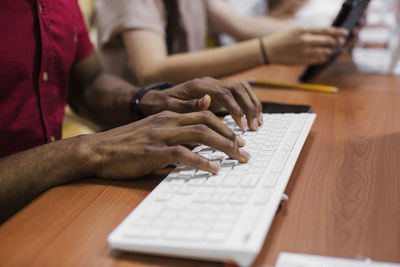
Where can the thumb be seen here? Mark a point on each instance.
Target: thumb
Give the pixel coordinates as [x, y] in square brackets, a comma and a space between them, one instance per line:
[204, 102]
[183, 106]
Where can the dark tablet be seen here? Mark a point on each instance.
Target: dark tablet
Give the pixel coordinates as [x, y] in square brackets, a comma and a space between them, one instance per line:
[348, 17]
[272, 107]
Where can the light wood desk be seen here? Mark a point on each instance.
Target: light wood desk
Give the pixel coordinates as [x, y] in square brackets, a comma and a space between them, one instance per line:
[344, 193]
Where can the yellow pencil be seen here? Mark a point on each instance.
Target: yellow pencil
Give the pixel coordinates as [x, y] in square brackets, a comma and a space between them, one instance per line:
[299, 86]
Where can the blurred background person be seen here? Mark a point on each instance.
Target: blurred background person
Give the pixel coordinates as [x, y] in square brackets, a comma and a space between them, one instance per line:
[148, 41]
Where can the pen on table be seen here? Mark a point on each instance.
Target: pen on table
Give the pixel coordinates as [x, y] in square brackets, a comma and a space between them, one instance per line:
[299, 86]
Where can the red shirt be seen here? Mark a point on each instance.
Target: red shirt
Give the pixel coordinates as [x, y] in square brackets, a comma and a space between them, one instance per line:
[40, 40]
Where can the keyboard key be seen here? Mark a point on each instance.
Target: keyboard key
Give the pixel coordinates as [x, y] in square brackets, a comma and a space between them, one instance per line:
[228, 217]
[175, 207]
[164, 196]
[250, 180]
[270, 180]
[143, 232]
[266, 153]
[257, 169]
[217, 155]
[216, 236]
[297, 126]
[279, 162]
[186, 190]
[177, 234]
[241, 167]
[215, 180]
[151, 212]
[173, 174]
[233, 209]
[207, 154]
[262, 197]
[253, 151]
[224, 191]
[178, 223]
[202, 197]
[168, 187]
[201, 173]
[289, 142]
[168, 214]
[221, 225]
[185, 174]
[140, 222]
[229, 162]
[197, 181]
[207, 217]
[238, 199]
[160, 224]
[232, 181]
[176, 181]
[200, 226]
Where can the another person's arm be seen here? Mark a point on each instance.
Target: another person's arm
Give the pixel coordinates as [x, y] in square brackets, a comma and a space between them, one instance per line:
[148, 55]
[141, 27]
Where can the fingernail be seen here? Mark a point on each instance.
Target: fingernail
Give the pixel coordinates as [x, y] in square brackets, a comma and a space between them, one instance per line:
[243, 121]
[255, 123]
[244, 154]
[203, 101]
[342, 41]
[345, 32]
[214, 167]
[260, 118]
[240, 141]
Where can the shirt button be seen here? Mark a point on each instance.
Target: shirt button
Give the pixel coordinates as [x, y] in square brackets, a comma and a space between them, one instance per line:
[52, 138]
[45, 76]
[40, 8]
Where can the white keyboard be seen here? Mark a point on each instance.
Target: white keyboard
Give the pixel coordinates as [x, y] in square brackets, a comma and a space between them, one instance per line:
[222, 217]
[286, 259]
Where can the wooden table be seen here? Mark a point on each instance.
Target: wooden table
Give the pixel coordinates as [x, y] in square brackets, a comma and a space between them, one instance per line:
[344, 193]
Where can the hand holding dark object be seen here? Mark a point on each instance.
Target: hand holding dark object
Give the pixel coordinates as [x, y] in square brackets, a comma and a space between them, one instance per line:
[304, 45]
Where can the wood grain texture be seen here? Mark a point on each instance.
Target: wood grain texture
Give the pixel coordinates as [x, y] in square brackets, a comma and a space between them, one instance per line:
[344, 193]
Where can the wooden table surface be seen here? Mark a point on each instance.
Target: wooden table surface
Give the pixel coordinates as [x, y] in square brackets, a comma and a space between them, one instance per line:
[344, 193]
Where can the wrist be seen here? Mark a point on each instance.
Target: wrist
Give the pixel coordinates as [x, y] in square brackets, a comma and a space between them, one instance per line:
[269, 46]
[150, 103]
[86, 156]
[263, 51]
[140, 110]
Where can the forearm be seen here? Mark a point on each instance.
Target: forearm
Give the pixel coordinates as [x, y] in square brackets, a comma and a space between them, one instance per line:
[215, 62]
[27, 174]
[105, 101]
[98, 96]
[251, 27]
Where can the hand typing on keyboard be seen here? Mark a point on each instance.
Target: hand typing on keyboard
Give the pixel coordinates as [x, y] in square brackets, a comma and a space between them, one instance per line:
[157, 141]
[222, 216]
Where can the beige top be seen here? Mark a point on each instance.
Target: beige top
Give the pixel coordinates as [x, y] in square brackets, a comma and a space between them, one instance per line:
[116, 16]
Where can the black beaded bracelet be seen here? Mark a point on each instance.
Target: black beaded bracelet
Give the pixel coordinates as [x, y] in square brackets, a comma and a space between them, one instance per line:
[134, 111]
[263, 51]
